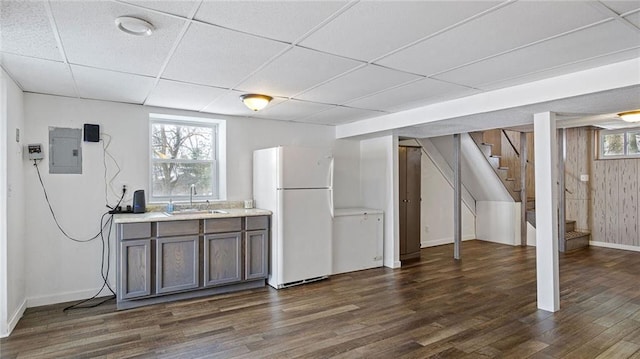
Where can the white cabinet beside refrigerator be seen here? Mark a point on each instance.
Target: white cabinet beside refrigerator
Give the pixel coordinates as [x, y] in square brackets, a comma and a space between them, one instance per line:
[357, 239]
[295, 183]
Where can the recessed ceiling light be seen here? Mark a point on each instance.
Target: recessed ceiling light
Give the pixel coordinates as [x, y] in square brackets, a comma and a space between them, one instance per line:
[134, 26]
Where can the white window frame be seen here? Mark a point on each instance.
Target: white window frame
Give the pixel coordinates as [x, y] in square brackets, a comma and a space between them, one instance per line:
[220, 160]
[599, 140]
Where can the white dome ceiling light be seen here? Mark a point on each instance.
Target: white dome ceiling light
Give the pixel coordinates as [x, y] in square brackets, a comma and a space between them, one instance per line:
[134, 26]
[630, 116]
[256, 102]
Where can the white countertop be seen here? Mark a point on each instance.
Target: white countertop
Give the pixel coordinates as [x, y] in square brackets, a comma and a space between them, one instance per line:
[162, 216]
[356, 211]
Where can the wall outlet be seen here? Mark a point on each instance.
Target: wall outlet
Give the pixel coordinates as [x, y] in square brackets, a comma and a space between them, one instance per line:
[426, 229]
[377, 258]
[584, 178]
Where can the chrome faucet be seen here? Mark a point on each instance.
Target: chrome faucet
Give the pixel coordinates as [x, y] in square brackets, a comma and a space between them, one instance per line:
[192, 192]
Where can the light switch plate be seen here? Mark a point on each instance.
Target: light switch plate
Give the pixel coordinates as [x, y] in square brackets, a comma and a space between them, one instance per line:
[584, 178]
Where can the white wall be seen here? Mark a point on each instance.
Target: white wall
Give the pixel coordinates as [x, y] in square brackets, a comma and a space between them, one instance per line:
[498, 222]
[379, 178]
[3, 207]
[60, 269]
[436, 210]
[12, 246]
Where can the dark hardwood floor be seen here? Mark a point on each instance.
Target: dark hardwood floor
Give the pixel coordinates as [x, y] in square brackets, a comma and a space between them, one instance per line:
[481, 307]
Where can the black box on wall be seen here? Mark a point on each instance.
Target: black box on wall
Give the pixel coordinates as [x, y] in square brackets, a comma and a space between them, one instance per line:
[91, 133]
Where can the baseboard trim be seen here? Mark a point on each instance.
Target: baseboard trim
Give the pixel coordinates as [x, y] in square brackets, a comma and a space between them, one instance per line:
[442, 241]
[14, 319]
[64, 297]
[625, 247]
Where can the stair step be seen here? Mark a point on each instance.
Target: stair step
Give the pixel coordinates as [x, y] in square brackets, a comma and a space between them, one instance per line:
[576, 240]
[509, 179]
[487, 144]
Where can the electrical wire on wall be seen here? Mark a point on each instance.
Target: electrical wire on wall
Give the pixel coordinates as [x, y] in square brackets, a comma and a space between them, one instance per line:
[108, 184]
[105, 226]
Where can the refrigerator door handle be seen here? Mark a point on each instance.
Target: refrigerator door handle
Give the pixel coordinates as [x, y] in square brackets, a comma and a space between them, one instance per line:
[331, 164]
[331, 202]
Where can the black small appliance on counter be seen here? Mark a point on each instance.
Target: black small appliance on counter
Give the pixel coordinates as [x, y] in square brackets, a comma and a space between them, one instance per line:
[139, 205]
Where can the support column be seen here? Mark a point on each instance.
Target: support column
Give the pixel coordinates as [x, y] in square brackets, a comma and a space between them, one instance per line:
[457, 198]
[562, 155]
[524, 154]
[548, 284]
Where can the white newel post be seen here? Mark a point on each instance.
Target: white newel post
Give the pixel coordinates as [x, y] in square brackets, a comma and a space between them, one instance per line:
[546, 175]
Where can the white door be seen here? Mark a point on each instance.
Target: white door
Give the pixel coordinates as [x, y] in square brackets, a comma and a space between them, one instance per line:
[305, 167]
[306, 234]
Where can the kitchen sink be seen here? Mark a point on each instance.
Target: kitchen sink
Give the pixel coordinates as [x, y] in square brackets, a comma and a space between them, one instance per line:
[197, 211]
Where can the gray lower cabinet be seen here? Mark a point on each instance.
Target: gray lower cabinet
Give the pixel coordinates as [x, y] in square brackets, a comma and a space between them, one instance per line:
[171, 260]
[135, 269]
[222, 258]
[256, 254]
[177, 263]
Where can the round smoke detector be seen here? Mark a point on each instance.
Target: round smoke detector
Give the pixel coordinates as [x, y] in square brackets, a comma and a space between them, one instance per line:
[134, 26]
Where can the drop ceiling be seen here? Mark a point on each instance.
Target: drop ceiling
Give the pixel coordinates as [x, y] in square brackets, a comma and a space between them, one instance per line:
[324, 62]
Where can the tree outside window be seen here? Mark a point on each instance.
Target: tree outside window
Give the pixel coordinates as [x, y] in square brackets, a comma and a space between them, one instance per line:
[619, 143]
[182, 155]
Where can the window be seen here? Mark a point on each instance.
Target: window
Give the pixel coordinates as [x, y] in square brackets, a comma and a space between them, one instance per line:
[619, 143]
[186, 152]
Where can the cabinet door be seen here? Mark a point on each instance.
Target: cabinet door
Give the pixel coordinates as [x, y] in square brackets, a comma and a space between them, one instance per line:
[176, 263]
[135, 269]
[256, 254]
[222, 258]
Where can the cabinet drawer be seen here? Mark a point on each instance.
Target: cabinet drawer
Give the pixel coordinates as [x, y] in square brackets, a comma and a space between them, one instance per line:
[176, 228]
[135, 230]
[257, 222]
[221, 225]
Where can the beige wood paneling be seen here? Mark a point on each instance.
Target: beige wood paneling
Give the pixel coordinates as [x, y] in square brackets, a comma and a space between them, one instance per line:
[628, 204]
[598, 185]
[531, 174]
[611, 206]
[577, 163]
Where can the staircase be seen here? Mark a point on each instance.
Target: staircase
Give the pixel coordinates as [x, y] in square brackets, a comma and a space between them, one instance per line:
[572, 239]
[490, 144]
[498, 147]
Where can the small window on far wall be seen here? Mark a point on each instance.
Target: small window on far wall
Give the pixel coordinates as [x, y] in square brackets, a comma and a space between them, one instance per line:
[619, 143]
[186, 152]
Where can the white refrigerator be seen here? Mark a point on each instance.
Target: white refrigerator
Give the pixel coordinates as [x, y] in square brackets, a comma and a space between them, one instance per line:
[295, 183]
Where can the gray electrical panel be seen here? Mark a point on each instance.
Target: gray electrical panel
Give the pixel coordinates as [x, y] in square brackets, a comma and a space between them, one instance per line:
[65, 151]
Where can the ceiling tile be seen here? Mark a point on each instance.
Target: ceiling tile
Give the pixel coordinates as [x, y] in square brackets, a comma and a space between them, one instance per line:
[415, 94]
[504, 29]
[280, 20]
[296, 70]
[595, 41]
[292, 110]
[230, 103]
[227, 57]
[30, 72]
[341, 115]
[91, 38]
[564, 69]
[181, 8]
[183, 95]
[358, 83]
[110, 85]
[371, 29]
[25, 29]
[634, 19]
[622, 7]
